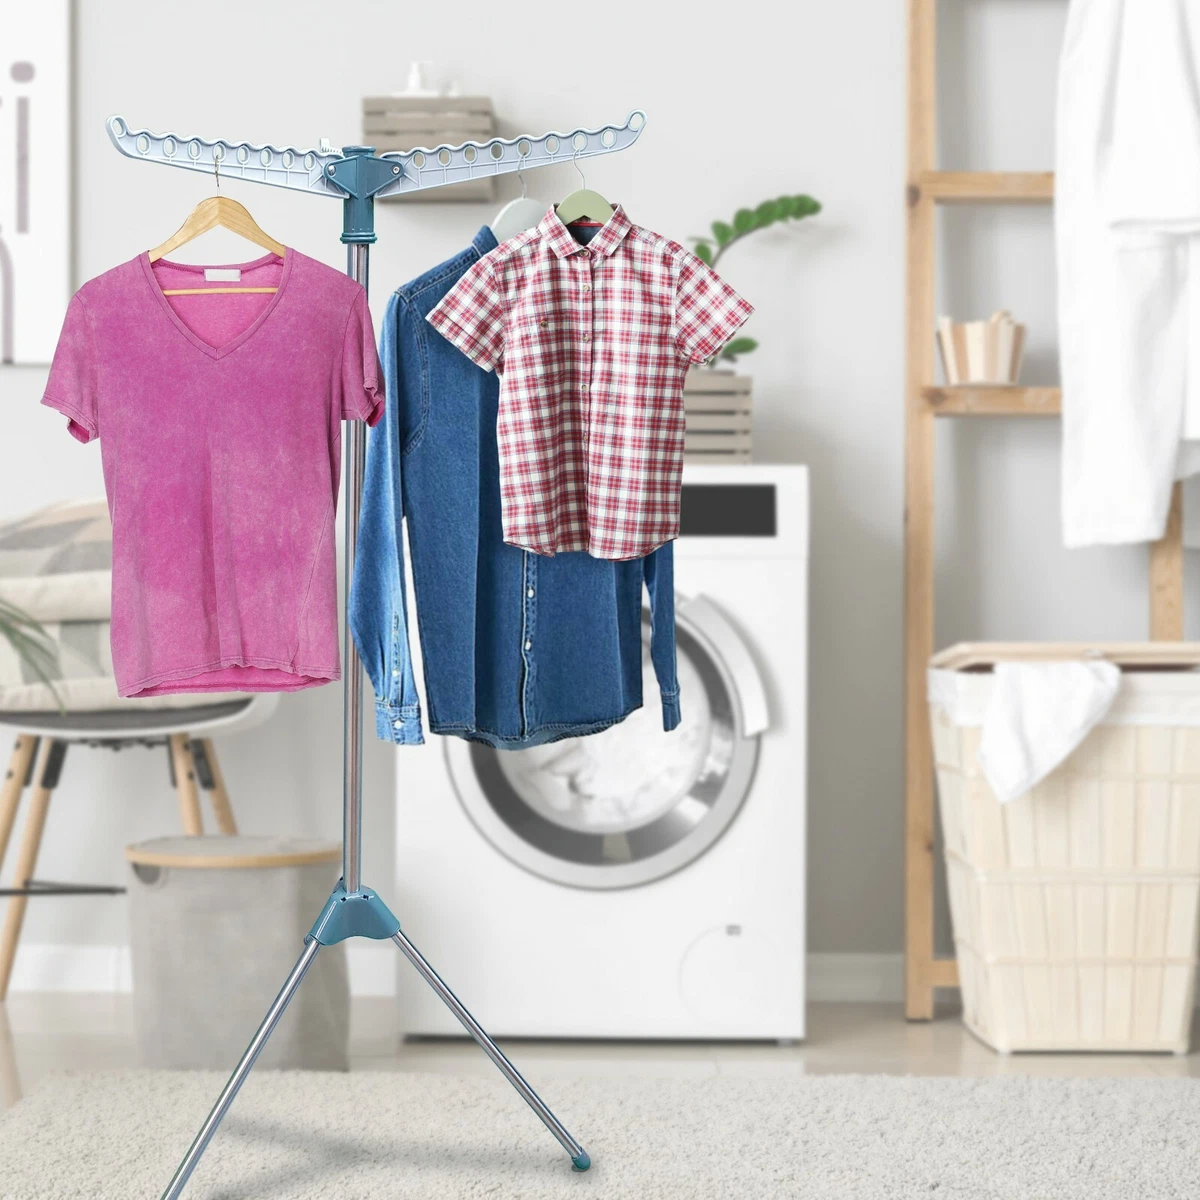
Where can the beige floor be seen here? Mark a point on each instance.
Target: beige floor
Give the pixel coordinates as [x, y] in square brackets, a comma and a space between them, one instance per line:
[54, 1032]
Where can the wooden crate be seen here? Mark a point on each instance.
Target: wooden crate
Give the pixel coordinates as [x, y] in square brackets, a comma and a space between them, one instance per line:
[409, 122]
[719, 414]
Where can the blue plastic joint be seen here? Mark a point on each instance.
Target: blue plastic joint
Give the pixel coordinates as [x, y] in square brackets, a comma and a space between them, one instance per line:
[581, 1161]
[360, 175]
[353, 914]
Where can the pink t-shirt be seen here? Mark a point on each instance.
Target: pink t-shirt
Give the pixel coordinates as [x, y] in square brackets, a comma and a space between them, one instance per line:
[219, 419]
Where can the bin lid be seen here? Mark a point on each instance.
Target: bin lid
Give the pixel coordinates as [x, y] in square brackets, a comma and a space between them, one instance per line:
[222, 851]
[979, 656]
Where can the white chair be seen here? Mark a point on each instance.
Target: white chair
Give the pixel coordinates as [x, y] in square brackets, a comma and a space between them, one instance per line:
[37, 761]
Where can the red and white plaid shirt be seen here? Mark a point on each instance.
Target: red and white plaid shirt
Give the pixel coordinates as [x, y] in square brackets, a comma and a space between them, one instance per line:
[592, 344]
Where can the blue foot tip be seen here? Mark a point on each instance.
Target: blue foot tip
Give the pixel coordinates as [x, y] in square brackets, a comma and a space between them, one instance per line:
[581, 1161]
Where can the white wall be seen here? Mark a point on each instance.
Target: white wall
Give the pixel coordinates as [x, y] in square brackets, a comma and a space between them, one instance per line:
[744, 102]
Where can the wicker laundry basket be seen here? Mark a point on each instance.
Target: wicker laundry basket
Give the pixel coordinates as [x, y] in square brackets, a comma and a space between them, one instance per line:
[1075, 906]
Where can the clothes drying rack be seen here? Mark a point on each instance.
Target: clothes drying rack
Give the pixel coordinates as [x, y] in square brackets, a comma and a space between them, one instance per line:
[357, 176]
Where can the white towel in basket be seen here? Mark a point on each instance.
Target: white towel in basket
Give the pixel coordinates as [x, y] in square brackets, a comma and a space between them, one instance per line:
[1037, 714]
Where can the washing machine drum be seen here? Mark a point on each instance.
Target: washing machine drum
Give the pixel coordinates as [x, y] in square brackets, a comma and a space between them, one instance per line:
[631, 804]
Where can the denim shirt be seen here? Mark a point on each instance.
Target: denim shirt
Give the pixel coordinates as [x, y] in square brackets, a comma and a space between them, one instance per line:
[518, 649]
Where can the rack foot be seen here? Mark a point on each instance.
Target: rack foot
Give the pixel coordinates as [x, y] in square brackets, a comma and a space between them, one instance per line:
[579, 1157]
[361, 914]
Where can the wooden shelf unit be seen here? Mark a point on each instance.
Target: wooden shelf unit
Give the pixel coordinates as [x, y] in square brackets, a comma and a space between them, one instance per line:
[925, 401]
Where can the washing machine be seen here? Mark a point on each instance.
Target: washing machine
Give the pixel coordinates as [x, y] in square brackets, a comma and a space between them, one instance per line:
[636, 883]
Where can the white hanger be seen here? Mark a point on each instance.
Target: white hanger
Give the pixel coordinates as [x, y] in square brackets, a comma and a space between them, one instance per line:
[517, 215]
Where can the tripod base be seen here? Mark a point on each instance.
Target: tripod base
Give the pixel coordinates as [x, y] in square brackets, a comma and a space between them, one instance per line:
[361, 914]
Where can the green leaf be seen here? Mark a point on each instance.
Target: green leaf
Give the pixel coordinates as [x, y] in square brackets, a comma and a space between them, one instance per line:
[743, 220]
[805, 206]
[741, 345]
[704, 252]
[767, 213]
[722, 232]
[31, 644]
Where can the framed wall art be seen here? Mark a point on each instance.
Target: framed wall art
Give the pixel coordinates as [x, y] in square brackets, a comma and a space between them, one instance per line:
[35, 177]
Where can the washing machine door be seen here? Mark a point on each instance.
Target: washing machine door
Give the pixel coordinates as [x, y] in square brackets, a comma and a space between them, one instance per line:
[631, 804]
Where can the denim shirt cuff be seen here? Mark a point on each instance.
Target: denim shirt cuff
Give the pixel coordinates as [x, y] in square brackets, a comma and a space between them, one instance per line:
[399, 723]
[670, 707]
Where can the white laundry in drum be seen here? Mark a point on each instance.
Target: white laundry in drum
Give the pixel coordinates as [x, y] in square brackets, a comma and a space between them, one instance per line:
[637, 883]
[622, 778]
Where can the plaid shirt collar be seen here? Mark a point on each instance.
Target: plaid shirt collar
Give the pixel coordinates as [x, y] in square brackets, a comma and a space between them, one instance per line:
[559, 238]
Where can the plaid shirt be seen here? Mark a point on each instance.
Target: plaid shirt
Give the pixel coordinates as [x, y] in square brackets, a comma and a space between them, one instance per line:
[592, 344]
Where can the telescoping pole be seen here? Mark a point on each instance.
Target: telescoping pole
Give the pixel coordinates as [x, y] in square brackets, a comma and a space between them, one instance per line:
[357, 264]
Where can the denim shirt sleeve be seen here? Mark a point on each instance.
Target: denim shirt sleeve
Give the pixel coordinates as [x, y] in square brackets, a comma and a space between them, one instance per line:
[659, 572]
[378, 596]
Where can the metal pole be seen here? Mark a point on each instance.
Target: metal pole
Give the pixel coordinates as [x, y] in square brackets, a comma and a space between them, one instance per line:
[240, 1072]
[579, 1155]
[357, 262]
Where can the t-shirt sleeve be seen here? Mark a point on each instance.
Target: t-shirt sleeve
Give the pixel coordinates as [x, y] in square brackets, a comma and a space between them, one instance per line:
[362, 389]
[708, 312]
[72, 386]
[471, 317]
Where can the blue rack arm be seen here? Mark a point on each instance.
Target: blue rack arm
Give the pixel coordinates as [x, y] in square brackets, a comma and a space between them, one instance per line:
[394, 172]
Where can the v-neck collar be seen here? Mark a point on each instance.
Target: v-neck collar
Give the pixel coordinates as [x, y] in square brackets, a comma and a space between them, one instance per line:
[218, 352]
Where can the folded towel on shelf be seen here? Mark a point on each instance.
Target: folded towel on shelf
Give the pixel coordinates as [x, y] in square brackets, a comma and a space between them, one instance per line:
[1037, 715]
[56, 563]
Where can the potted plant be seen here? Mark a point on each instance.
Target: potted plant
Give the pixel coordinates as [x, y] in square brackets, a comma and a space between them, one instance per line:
[716, 398]
[726, 234]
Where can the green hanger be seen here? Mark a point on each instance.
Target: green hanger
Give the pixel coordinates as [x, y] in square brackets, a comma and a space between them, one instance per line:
[581, 204]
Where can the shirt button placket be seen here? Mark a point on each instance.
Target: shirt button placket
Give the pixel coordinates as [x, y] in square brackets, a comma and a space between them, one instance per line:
[586, 320]
[528, 624]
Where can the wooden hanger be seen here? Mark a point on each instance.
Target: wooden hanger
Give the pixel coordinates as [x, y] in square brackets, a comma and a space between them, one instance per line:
[209, 214]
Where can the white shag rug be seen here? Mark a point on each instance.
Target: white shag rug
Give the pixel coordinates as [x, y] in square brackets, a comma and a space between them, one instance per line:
[306, 1136]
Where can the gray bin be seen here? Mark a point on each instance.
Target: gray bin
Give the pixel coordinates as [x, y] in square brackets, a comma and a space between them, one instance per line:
[216, 925]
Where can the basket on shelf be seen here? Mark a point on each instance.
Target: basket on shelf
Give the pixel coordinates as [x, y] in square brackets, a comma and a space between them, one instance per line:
[1075, 906]
[408, 122]
[981, 351]
[718, 408]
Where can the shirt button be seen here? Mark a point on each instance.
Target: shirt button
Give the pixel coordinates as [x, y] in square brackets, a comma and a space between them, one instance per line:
[530, 593]
[584, 388]
[397, 724]
[587, 337]
[395, 674]
[528, 645]
[587, 287]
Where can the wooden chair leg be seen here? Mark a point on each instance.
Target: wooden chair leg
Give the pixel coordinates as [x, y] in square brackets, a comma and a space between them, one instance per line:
[213, 781]
[13, 786]
[49, 763]
[184, 770]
